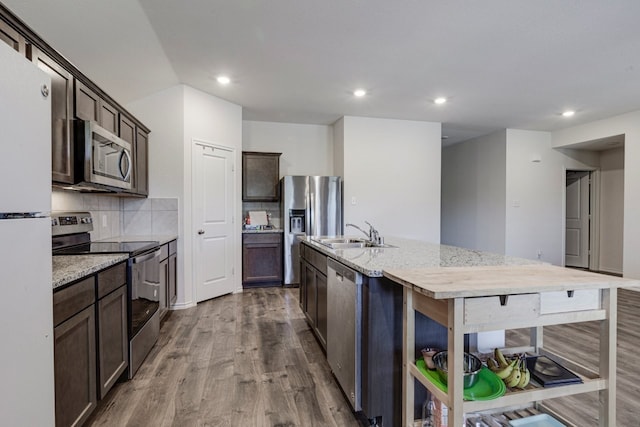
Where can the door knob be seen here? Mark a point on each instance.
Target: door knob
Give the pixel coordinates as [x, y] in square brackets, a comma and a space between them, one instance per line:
[200, 231]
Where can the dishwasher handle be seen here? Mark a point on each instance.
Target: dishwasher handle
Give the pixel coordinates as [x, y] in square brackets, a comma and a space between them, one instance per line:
[343, 272]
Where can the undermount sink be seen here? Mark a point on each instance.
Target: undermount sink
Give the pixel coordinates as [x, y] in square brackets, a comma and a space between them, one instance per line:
[349, 243]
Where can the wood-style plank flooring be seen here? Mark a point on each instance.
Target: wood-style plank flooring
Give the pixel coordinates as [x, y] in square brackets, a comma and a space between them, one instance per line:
[250, 359]
[580, 342]
[247, 359]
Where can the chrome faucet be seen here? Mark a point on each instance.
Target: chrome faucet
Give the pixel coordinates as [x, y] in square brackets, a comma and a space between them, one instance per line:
[372, 234]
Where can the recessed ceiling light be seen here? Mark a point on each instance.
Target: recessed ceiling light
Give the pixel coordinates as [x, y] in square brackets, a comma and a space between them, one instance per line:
[359, 92]
[568, 113]
[223, 80]
[440, 100]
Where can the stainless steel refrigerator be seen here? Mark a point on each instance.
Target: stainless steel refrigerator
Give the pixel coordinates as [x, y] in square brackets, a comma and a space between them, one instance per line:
[311, 206]
[26, 308]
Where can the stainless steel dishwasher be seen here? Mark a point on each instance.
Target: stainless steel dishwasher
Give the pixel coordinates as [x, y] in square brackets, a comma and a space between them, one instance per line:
[344, 328]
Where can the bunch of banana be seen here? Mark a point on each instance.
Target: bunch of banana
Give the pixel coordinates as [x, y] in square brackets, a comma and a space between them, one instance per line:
[513, 372]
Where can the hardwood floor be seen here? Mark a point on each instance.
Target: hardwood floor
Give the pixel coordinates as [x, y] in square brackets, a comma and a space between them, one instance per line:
[250, 359]
[580, 342]
[247, 359]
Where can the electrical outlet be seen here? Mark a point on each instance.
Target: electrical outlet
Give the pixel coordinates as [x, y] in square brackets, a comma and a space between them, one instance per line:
[104, 220]
[539, 253]
[353, 200]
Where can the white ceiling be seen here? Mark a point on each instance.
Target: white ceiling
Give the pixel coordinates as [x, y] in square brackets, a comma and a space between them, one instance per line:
[502, 63]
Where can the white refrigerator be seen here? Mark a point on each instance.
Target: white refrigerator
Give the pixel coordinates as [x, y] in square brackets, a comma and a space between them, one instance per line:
[26, 311]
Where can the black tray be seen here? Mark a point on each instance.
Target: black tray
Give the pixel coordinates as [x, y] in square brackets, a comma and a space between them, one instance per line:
[549, 373]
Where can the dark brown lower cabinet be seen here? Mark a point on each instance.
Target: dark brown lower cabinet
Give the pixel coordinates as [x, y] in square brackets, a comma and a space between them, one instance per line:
[91, 346]
[113, 342]
[261, 259]
[75, 368]
[313, 291]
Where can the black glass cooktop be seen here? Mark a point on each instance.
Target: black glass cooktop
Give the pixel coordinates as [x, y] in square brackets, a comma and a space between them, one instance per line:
[132, 248]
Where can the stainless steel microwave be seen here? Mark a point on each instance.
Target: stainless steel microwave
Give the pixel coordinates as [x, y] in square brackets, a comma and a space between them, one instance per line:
[104, 158]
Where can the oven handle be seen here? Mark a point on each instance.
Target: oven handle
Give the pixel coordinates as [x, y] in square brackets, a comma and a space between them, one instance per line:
[147, 257]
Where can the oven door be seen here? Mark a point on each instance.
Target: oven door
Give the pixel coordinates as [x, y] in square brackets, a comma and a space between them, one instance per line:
[145, 289]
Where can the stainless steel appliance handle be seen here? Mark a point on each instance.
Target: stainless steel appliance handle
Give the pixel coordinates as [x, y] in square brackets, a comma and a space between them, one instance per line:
[147, 257]
[125, 175]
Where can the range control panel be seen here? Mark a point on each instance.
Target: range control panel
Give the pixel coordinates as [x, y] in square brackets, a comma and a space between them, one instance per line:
[70, 222]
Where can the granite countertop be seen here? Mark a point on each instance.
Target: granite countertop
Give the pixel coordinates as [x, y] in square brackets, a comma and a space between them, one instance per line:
[272, 230]
[162, 238]
[68, 268]
[412, 254]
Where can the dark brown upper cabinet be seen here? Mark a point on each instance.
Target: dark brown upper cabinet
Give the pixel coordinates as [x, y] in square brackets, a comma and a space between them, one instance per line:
[62, 153]
[89, 106]
[139, 140]
[260, 177]
[12, 37]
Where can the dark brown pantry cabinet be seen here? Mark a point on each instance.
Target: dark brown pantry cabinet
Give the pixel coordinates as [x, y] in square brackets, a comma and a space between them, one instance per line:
[261, 259]
[260, 177]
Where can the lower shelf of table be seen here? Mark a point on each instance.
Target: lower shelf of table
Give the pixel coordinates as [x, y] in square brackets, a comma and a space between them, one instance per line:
[512, 398]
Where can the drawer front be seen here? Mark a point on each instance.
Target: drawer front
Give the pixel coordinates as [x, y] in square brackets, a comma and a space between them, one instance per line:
[73, 299]
[173, 247]
[111, 279]
[561, 302]
[261, 238]
[164, 252]
[491, 310]
[317, 259]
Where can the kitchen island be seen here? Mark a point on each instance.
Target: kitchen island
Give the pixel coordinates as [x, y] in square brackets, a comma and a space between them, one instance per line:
[380, 312]
[462, 297]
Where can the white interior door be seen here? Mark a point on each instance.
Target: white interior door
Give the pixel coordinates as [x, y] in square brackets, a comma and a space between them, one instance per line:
[577, 220]
[213, 203]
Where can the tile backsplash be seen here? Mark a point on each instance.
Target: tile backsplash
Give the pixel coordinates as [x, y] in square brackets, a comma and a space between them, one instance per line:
[115, 216]
[272, 208]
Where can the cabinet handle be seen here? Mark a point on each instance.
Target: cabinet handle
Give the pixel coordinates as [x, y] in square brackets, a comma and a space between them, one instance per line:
[200, 231]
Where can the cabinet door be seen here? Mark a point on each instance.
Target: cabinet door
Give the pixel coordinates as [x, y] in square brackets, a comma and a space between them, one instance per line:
[62, 156]
[262, 258]
[87, 105]
[260, 177]
[303, 287]
[141, 177]
[321, 308]
[113, 342]
[127, 131]
[75, 368]
[173, 279]
[108, 117]
[164, 286]
[310, 279]
[12, 37]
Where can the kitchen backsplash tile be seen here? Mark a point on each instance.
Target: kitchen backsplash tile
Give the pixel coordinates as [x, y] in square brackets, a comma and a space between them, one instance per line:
[136, 222]
[114, 216]
[164, 204]
[272, 208]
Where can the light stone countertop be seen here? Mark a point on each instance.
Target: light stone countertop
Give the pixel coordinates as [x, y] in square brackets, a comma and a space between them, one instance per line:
[69, 268]
[413, 254]
[162, 238]
[253, 231]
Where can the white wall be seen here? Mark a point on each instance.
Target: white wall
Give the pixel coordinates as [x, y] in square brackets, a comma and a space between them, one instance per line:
[392, 169]
[629, 125]
[535, 194]
[177, 116]
[611, 210]
[338, 147]
[473, 193]
[306, 149]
